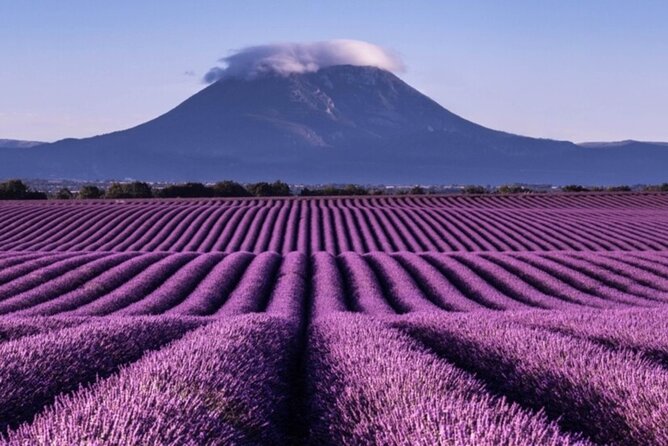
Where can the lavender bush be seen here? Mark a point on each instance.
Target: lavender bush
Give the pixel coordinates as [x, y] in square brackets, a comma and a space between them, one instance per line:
[616, 397]
[34, 369]
[371, 384]
[227, 383]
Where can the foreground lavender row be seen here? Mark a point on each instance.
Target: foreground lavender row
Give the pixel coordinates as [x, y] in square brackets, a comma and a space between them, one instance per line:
[344, 378]
[606, 222]
[126, 284]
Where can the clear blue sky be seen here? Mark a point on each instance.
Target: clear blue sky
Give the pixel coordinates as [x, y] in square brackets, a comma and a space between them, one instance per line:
[569, 69]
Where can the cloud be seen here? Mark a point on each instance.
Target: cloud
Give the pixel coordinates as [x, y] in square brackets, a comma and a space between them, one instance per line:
[285, 58]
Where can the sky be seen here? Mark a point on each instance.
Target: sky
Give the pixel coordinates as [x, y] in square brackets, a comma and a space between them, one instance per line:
[585, 70]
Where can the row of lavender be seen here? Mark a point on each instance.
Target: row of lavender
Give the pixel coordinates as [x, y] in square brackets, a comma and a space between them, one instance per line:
[125, 284]
[603, 200]
[513, 378]
[610, 223]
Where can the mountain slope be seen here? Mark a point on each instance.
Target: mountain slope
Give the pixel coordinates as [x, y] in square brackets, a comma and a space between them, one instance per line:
[339, 124]
[629, 143]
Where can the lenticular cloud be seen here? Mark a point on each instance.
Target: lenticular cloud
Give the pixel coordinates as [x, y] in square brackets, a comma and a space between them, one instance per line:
[285, 58]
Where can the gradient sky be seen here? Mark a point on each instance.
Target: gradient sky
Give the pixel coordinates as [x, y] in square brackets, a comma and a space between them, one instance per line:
[585, 70]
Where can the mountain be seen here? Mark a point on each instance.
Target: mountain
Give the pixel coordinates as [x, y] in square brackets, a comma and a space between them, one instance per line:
[17, 144]
[340, 124]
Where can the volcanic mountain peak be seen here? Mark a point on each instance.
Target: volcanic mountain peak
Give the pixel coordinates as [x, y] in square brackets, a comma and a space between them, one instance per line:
[334, 106]
[341, 123]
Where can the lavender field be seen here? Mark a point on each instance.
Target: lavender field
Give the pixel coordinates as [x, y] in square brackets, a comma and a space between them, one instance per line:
[456, 320]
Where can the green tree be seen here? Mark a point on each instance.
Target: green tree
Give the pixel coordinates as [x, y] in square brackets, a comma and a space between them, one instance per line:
[474, 190]
[187, 190]
[136, 189]
[329, 191]
[90, 192]
[574, 188]
[275, 189]
[620, 189]
[13, 190]
[353, 189]
[230, 189]
[18, 190]
[64, 194]
[513, 189]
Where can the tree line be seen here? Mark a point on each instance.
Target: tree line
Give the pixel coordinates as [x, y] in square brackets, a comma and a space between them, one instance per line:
[519, 189]
[138, 189]
[17, 190]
